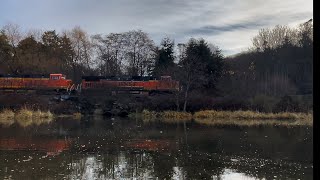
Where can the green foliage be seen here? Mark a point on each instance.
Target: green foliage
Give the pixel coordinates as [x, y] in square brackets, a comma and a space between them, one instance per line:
[50, 39]
[5, 52]
[53, 54]
[200, 67]
[164, 60]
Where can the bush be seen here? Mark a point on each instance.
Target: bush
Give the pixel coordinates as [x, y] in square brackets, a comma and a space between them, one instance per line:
[287, 104]
[198, 101]
[160, 102]
[263, 103]
[231, 104]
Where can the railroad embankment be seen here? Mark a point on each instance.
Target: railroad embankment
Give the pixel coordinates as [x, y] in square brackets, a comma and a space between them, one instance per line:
[67, 105]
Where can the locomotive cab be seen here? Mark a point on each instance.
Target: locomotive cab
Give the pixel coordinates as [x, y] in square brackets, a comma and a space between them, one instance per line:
[59, 81]
[166, 83]
[165, 78]
[57, 76]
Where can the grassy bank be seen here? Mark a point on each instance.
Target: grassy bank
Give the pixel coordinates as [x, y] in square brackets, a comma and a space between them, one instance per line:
[238, 118]
[251, 115]
[252, 118]
[25, 117]
[253, 122]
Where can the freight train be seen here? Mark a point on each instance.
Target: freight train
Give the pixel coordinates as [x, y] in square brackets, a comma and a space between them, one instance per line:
[35, 82]
[130, 84]
[59, 82]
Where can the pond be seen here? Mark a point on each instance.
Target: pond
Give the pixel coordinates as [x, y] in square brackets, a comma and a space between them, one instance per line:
[113, 148]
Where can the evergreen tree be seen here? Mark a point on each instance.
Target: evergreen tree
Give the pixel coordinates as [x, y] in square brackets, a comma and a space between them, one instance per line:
[164, 62]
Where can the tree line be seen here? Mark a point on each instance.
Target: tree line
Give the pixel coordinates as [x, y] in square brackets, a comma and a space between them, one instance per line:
[279, 63]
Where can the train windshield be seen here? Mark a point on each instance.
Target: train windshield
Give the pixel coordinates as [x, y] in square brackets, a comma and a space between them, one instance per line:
[166, 78]
[57, 76]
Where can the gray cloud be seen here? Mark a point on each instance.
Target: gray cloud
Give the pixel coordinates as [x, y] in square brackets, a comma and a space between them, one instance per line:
[214, 30]
[255, 23]
[229, 24]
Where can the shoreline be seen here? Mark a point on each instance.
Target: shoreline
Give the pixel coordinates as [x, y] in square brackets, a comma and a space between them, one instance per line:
[207, 117]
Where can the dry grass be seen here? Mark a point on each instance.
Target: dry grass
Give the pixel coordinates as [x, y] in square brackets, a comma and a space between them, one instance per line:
[251, 115]
[149, 114]
[27, 113]
[176, 115]
[6, 114]
[24, 114]
[253, 122]
[251, 118]
[41, 114]
[25, 117]
[231, 118]
[6, 117]
[76, 115]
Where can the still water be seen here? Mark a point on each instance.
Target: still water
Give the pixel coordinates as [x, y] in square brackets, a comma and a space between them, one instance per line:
[105, 148]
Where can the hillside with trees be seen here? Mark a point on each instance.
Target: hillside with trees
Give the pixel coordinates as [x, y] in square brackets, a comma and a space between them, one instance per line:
[275, 74]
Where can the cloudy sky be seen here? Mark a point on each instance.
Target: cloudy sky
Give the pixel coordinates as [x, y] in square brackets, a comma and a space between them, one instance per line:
[229, 24]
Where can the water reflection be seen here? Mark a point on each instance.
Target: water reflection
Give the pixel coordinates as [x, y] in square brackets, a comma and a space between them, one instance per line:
[48, 145]
[101, 148]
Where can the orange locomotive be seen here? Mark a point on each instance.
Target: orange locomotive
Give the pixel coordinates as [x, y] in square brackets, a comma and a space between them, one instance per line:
[54, 81]
[165, 83]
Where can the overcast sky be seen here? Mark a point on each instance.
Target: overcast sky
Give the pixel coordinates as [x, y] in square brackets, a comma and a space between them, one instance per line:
[229, 24]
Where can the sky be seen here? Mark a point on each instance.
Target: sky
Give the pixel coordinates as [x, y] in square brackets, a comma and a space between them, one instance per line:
[228, 24]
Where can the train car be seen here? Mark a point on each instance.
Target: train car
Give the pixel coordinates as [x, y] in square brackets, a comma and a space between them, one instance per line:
[35, 82]
[137, 84]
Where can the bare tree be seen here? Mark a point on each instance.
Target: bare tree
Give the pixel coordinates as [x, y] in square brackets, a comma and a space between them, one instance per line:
[109, 53]
[35, 33]
[140, 52]
[82, 47]
[305, 33]
[273, 38]
[13, 35]
[129, 52]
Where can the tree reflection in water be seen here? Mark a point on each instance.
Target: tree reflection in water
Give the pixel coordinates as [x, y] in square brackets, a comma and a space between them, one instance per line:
[114, 149]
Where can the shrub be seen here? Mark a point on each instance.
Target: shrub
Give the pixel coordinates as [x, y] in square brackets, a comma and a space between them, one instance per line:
[263, 103]
[287, 104]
